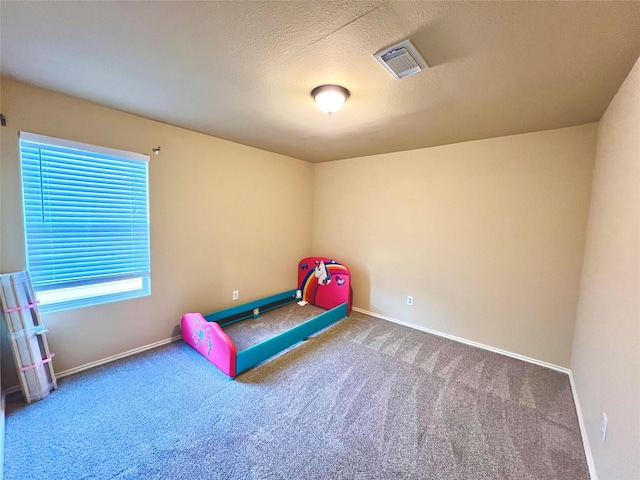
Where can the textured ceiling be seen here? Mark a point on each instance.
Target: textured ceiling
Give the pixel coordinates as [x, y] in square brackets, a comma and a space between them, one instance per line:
[243, 71]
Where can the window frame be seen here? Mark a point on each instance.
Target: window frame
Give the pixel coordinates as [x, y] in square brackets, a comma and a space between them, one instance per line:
[91, 291]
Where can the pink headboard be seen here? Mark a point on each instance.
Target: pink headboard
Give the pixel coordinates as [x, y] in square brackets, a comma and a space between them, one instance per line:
[324, 282]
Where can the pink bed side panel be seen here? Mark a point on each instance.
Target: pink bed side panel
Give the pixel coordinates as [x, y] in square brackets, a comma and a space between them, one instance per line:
[324, 282]
[210, 341]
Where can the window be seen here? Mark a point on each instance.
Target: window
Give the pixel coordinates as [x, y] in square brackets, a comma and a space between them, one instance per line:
[86, 222]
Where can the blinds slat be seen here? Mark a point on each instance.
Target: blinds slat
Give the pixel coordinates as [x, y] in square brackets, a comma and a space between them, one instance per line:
[86, 215]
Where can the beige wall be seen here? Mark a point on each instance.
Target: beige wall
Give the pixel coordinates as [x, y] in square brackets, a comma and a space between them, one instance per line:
[223, 217]
[606, 349]
[487, 236]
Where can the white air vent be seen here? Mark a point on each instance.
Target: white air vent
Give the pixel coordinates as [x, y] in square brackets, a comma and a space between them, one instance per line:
[401, 60]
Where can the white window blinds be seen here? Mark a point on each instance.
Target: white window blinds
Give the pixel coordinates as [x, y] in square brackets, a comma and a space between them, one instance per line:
[86, 220]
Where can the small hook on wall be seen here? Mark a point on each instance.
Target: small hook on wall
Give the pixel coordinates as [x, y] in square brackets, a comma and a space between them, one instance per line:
[156, 150]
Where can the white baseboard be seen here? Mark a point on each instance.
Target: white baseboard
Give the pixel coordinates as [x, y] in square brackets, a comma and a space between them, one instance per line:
[467, 342]
[112, 358]
[583, 430]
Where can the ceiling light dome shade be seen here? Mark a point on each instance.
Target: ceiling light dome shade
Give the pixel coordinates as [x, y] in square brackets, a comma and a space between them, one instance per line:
[330, 98]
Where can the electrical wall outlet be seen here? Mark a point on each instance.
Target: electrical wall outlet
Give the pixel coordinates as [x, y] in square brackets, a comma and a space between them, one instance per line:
[605, 424]
[235, 295]
[410, 300]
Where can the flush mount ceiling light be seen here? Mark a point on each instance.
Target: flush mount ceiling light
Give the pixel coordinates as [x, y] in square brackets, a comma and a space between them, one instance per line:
[330, 98]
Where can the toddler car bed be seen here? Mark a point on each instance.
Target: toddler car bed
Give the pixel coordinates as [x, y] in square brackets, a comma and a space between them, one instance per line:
[321, 281]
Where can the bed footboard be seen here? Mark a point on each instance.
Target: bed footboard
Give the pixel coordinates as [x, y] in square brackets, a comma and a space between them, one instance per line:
[210, 341]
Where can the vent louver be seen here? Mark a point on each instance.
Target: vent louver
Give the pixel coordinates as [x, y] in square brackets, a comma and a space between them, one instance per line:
[401, 60]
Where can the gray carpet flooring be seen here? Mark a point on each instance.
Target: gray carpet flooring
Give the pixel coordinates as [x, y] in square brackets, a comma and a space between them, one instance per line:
[364, 399]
